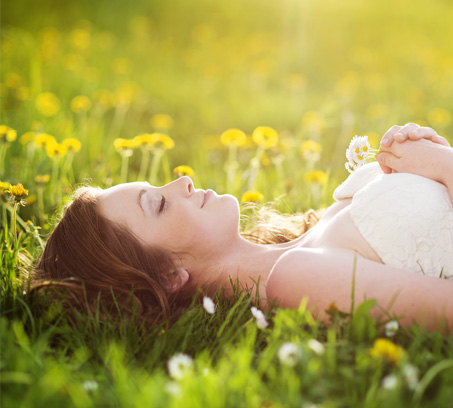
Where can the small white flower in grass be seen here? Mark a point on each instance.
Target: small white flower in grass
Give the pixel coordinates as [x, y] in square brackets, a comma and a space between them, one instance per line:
[179, 365]
[289, 354]
[208, 305]
[316, 346]
[90, 385]
[410, 374]
[261, 321]
[391, 328]
[173, 388]
[389, 382]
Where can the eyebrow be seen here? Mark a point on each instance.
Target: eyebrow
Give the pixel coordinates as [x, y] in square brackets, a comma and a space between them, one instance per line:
[139, 200]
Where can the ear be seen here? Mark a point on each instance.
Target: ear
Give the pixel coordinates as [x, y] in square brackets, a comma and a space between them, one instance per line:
[177, 282]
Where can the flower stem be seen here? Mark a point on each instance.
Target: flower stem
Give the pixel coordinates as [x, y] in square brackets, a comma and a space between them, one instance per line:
[143, 164]
[13, 221]
[158, 153]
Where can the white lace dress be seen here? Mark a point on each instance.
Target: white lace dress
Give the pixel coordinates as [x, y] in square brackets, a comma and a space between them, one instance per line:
[407, 219]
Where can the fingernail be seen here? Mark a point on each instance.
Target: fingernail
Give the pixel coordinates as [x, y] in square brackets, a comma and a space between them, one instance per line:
[398, 135]
[385, 141]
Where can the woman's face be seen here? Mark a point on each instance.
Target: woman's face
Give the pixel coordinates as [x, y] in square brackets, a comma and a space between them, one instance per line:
[175, 217]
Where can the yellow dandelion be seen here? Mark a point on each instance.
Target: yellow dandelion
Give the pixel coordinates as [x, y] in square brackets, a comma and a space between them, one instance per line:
[18, 191]
[80, 38]
[265, 136]
[161, 121]
[8, 134]
[4, 186]
[124, 146]
[163, 141]
[47, 104]
[233, 136]
[146, 140]
[385, 349]
[315, 177]
[183, 171]
[80, 104]
[56, 150]
[44, 140]
[252, 196]
[42, 178]
[27, 137]
[72, 144]
[310, 146]
[439, 117]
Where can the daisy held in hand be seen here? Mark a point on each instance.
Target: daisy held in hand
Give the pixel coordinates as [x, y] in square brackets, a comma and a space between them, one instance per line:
[358, 153]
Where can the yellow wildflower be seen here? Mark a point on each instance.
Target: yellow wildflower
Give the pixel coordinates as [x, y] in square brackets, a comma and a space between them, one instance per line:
[315, 177]
[310, 146]
[27, 137]
[80, 38]
[18, 191]
[72, 144]
[252, 196]
[7, 133]
[383, 348]
[80, 104]
[4, 185]
[439, 117]
[183, 171]
[44, 140]
[161, 121]
[233, 136]
[47, 104]
[56, 150]
[124, 146]
[265, 136]
[145, 140]
[42, 178]
[164, 141]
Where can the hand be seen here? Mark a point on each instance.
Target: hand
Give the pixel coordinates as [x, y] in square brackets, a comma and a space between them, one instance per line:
[421, 157]
[410, 131]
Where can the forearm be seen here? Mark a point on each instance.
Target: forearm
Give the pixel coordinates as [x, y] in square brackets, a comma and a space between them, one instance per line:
[448, 171]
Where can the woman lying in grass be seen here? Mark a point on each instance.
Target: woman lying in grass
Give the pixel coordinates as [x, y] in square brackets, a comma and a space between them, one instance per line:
[150, 248]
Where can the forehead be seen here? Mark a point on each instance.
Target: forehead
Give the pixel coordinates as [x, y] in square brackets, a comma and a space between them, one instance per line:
[121, 189]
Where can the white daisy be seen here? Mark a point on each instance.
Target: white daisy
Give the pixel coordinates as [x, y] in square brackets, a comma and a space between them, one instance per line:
[208, 305]
[289, 354]
[179, 365]
[391, 328]
[261, 321]
[316, 346]
[389, 382]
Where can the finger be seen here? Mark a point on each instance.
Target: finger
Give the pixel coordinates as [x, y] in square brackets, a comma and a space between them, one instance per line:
[426, 132]
[402, 135]
[387, 139]
[385, 169]
[387, 160]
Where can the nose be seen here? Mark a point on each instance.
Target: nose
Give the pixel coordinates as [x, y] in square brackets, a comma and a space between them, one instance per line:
[186, 184]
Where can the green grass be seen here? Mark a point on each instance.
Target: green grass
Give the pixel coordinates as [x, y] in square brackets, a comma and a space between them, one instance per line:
[313, 70]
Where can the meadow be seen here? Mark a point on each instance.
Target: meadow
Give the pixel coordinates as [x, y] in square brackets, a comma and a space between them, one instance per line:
[255, 98]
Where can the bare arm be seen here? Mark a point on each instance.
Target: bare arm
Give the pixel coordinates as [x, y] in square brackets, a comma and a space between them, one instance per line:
[326, 275]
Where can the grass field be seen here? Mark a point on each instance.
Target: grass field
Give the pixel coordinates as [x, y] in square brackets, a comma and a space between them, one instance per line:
[80, 82]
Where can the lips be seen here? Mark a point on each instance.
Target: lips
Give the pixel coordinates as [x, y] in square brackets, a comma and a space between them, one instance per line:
[206, 196]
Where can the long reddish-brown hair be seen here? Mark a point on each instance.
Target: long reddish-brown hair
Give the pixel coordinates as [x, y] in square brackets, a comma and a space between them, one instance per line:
[92, 261]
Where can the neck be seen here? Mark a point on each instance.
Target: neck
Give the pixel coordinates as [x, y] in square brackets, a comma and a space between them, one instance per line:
[246, 264]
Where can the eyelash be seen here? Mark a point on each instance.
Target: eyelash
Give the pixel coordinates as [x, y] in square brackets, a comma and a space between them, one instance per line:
[163, 205]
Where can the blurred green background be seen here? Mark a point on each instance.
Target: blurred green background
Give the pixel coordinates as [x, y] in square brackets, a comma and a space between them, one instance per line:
[312, 70]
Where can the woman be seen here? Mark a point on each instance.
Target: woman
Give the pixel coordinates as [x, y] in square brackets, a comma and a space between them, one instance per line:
[138, 246]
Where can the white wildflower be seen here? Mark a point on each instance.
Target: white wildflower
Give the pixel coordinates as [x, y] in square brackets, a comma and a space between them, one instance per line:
[410, 374]
[289, 354]
[90, 385]
[208, 305]
[261, 321]
[357, 152]
[316, 346]
[389, 382]
[391, 328]
[179, 365]
[173, 388]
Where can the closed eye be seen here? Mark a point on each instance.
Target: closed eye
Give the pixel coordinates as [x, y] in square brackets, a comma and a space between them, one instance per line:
[163, 205]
